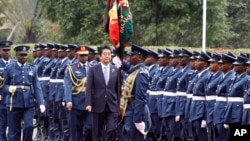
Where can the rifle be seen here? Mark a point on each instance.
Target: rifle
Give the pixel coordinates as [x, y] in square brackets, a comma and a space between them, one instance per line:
[38, 121]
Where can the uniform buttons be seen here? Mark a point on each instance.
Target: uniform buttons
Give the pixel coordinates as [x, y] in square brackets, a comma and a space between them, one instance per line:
[23, 81]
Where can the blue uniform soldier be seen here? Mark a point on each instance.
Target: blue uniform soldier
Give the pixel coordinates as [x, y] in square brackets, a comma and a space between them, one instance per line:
[198, 110]
[169, 98]
[246, 107]
[151, 62]
[192, 79]
[154, 74]
[134, 111]
[44, 80]
[5, 47]
[220, 132]
[181, 91]
[165, 70]
[60, 93]
[233, 113]
[71, 53]
[75, 81]
[23, 88]
[52, 110]
[210, 91]
[93, 57]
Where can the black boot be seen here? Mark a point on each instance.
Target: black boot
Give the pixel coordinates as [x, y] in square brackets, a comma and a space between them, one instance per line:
[176, 139]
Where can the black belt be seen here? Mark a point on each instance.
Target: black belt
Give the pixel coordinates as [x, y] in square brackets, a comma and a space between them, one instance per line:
[23, 87]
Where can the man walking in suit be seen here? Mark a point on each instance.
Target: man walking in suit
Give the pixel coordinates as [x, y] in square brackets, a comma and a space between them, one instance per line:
[101, 96]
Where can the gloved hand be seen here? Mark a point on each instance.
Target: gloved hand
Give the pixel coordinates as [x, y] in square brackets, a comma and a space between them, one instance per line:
[141, 127]
[42, 108]
[117, 61]
[69, 106]
[203, 124]
[63, 104]
[12, 89]
[177, 118]
[226, 126]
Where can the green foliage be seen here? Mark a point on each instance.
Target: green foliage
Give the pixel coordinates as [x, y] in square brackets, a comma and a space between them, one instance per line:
[156, 22]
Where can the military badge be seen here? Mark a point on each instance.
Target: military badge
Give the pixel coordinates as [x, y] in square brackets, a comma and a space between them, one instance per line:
[7, 44]
[31, 73]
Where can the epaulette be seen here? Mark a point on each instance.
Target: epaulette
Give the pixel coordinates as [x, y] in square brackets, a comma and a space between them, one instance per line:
[143, 70]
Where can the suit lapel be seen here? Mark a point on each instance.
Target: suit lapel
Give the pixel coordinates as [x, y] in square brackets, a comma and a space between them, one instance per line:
[102, 75]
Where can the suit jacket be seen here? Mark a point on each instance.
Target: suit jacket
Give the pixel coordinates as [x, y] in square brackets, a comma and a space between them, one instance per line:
[98, 94]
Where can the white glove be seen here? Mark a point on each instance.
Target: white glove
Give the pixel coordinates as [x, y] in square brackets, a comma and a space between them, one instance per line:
[69, 106]
[63, 104]
[117, 61]
[226, 126]
[141, 127]
[12, 89]
[42, 108]
[177, 118]
[203, 124]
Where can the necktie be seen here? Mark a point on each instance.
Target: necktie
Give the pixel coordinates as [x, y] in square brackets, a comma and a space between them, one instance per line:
[106, 75]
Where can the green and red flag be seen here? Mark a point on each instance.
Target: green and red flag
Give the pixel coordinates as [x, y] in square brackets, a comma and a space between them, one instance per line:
[118, 24]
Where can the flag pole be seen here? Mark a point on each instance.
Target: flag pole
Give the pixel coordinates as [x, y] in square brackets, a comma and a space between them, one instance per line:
[204, 25]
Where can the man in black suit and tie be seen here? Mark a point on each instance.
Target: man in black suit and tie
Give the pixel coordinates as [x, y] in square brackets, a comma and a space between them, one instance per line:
[101, 96]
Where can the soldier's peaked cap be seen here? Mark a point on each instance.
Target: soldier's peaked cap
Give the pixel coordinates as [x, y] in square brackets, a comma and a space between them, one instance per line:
[136, 49]
[225, 58]
[215, 57]
[203, 56]
[153, 54]
[240, 60]
[6, 45]
[22, 49]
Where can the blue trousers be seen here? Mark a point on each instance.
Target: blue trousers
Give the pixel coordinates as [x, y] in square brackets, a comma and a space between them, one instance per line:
[15, 118]
[3, 124]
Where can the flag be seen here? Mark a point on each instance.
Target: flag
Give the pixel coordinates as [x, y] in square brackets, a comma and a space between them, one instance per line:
[118, 23]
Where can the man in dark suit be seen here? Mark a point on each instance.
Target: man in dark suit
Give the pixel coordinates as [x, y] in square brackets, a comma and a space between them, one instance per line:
[101, 96]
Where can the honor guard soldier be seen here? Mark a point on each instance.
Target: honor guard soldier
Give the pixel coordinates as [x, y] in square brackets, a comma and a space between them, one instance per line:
[165, 70]
[151, 62]
[246, 107]
[44, 80]
[40, 63]
[233, 113]
[42, 59]
[191, 83]
[169, 98]
[60, 93]
[152, 96]
[71, 53]
[220, 132]
[134, 111]
[92, 61]
[210, 91]
[23, 88]
[5, 47]
[198, 107]
[35, 54]
[52, 110]
[181, 91]
[75, 85]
